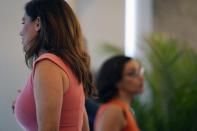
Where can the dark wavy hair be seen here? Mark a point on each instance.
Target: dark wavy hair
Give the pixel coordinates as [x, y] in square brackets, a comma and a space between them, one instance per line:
[109, 75]
[61, 35]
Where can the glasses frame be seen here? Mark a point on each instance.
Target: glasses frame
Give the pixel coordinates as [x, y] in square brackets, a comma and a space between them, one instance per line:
[136, 73]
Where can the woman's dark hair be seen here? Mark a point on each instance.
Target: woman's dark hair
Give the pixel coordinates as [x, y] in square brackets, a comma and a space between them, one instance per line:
[61, 35]
[109, 75]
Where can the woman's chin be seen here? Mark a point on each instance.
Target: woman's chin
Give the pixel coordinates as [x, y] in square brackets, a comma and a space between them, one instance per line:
[140, 89]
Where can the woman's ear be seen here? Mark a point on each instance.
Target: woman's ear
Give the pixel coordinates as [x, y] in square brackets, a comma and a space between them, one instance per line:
[37, 24]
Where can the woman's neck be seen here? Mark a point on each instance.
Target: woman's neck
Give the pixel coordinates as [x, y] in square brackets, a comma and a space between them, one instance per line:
[126, 98]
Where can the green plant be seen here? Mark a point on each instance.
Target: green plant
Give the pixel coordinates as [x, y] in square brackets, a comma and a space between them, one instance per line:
[172, 80]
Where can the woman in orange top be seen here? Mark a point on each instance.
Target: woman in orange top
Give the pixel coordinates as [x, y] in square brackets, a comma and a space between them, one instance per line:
[119, 80]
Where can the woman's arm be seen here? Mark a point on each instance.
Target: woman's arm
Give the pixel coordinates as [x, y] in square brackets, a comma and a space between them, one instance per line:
[112, 119]
[85, 122]
[48, 94]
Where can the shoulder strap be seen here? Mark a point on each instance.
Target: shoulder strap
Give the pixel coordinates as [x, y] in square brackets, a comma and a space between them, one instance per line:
[56, 60]
[122, 105]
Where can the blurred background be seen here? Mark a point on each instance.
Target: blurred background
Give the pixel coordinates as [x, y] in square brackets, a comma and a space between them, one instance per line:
[161, 34]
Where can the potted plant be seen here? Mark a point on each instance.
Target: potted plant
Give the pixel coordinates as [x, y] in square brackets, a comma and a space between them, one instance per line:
[172, 81]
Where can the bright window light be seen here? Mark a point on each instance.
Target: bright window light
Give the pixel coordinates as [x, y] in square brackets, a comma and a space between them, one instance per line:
[130, 27]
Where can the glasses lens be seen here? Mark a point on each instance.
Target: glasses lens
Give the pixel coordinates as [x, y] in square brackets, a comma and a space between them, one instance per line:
[136, 73]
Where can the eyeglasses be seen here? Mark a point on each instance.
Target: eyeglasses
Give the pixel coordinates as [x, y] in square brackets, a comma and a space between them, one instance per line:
[136, 73]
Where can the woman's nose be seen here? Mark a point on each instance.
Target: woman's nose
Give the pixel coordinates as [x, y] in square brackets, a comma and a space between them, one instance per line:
[141, 77]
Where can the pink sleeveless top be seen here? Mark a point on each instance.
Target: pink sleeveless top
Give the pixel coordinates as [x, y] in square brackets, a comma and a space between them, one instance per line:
[73, 101]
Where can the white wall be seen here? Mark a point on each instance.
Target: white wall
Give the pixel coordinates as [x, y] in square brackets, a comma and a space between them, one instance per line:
[104, 21]
[12, 68]
[144, 23]
[101, 21]
[145, 17]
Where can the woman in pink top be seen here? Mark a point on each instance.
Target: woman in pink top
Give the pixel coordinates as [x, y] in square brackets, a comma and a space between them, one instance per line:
[53, 99]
